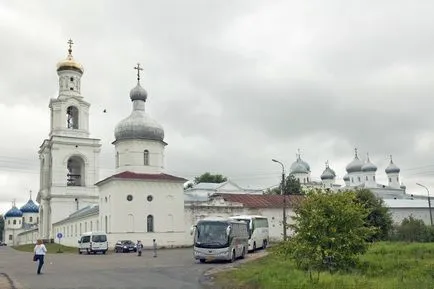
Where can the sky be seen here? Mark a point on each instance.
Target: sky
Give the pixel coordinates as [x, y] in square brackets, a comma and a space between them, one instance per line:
[234, 83]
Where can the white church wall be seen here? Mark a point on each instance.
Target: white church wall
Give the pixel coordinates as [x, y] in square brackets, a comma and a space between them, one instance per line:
[28, 237]
[11, 236]
[121, 217]
[73, 228]
[31, 218]
[399, 214]
[131, 156]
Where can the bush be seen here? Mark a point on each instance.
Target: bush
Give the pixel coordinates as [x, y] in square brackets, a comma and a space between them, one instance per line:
[412, 230]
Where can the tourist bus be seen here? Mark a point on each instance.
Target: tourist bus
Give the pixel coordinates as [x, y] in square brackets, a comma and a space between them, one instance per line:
[258, 230]
[220, 239]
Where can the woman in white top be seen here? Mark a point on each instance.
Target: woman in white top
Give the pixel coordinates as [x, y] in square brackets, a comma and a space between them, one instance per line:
[40, 251]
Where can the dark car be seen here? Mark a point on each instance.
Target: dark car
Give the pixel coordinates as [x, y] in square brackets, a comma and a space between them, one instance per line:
[2, 243]
[125, 246]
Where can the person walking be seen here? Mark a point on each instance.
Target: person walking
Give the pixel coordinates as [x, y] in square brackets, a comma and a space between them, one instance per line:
[154, 245]
[40, 250]
[139, 248]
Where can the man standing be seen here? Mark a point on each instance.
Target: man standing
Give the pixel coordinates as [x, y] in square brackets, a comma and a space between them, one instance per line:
[139, 248]
[154, 245]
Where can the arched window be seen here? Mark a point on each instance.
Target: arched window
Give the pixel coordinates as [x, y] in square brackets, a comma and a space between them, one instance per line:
[81, 229]
[75, 174]
[91, 226]
[24, 220]
[146, 158]
[37, 220]
[106, 224]
[150, 223]
[9, 222]
[85, 226]
[97, 225]
[72, 117]
[366, 177]
[30, 219]
[14, 222]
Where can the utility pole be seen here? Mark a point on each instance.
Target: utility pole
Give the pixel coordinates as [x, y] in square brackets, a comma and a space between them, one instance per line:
[282, 189]
[429, 202]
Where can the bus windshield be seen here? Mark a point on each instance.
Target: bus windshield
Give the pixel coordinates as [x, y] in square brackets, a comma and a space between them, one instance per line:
[211, 234]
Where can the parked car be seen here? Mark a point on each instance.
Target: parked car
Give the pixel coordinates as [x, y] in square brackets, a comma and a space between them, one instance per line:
[93, 242]
[125, 246]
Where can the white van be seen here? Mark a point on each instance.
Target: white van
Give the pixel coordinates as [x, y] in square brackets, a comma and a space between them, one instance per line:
[93, 242]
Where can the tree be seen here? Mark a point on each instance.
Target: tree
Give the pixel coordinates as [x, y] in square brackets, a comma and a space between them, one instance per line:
[210, 178]
[2, 226]
[292, 186]
[379, 215]
[329, 232]
[273, 191]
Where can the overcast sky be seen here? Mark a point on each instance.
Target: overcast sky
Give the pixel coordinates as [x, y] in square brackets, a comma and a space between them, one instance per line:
[234, 83]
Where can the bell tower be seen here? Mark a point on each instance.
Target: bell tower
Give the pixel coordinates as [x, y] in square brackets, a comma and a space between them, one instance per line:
[69, 158]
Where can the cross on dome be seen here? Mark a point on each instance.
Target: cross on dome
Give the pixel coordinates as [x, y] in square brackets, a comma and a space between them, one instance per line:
[70, 42]
[138, 68]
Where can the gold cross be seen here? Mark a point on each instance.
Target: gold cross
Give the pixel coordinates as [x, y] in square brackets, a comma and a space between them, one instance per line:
[70, 45]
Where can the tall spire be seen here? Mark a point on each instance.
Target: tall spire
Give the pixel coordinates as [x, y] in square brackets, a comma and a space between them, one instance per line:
[367, 158]
[30, 193]
[327, 164]
[391, 160]
[356, 153]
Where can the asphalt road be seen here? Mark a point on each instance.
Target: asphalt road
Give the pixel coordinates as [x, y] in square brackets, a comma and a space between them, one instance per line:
[172, 269]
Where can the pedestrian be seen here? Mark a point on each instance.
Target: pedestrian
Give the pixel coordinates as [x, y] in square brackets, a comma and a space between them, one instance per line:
[39, 251]
[139, 248]
[154, 245]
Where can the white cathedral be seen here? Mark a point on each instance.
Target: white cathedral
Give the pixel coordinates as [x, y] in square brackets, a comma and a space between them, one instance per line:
[140, 201]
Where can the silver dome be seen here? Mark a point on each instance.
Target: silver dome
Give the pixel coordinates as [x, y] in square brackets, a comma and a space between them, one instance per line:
[139, 125]
[356, 164]
[368, 166]
[138, 93]
[328, 174]
[392, 168]
[298, 168]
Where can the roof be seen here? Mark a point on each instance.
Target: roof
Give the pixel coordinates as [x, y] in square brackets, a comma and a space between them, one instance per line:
[207, 186]
[84, 212]
[127, 175]
[261, 201]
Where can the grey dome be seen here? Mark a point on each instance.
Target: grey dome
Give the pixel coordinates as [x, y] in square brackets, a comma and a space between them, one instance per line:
[392, 168]
[138, 93]
[347, 178]
[139, 125]
[368, 166]
[299, 166]
[355, 166]
[328, 174]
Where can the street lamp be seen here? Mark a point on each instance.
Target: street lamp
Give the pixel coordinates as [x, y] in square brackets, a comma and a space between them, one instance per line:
[429, 201]
[284, 198]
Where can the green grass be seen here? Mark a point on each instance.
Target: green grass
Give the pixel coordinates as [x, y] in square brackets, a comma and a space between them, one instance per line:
[52, 248]
[385, 266]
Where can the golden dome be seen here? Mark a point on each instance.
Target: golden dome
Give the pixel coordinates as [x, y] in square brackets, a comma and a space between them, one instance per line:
[69, 63]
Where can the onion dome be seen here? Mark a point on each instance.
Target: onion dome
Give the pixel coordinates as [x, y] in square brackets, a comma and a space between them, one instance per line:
[346, 178]
[299, 166]
[356, 165]
[392, 168]
[328, 173]
[69, 63]
[368, 166]
[30, 207]
[139, 125]
[13, 213]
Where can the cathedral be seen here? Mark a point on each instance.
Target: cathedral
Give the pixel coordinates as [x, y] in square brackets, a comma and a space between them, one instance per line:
[140, 201]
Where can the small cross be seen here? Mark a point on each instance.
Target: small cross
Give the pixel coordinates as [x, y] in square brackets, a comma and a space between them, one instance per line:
[138, 68]
[30, 194]
[70, 45]
[355, 152]
[327, 164]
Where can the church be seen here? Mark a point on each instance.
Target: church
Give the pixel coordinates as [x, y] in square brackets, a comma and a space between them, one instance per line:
[142, 202]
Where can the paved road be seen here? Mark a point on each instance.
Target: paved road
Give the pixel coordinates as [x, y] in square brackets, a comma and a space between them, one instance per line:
[172, 269]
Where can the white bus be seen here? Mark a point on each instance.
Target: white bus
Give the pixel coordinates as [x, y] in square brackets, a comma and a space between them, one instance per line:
[220, 239]
[258, 230]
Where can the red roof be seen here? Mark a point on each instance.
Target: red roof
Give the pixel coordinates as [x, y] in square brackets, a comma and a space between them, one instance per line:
[148, 177]
[261, 201]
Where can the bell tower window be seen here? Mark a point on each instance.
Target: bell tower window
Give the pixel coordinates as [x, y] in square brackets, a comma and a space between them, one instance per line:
[75, 174]
[146, 158]
[72, 117]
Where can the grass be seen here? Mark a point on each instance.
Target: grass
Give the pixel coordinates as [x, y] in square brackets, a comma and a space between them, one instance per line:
[52, 248]
[385, 266]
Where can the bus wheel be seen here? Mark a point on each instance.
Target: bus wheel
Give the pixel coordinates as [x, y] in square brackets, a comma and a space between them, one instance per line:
[264, 244]
[233, 257]
[202, 260]
[254, 246]
[244, 253]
